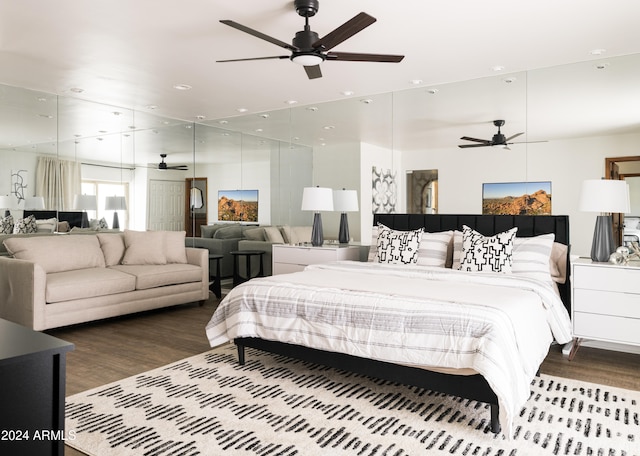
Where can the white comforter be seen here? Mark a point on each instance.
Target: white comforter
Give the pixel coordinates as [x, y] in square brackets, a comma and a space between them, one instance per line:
[499, 325]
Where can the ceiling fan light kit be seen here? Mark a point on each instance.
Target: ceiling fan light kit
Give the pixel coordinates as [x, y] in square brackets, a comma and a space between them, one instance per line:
[308, 50]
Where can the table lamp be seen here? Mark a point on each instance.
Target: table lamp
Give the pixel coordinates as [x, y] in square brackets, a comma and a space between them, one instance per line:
[115, 204]
[317, 199]
[605, 196]
[344, 201]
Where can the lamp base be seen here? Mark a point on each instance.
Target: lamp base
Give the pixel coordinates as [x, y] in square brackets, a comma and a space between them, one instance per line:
[7, 213]
[343, 234]
[603, 245]
[116, 223]
[317, 239]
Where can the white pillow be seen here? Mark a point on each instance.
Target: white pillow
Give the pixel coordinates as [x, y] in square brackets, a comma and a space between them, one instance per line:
[531, 256]
[433, 248]
[47, 225]
[397, 247]
[481, 253]
[174, 247]
[273, 235]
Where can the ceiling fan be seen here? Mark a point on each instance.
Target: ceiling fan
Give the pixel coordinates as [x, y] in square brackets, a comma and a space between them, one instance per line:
[309, 50]
[163, 165]
[498, 139]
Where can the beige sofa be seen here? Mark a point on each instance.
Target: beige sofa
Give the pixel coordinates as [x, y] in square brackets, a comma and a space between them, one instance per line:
[53, 281]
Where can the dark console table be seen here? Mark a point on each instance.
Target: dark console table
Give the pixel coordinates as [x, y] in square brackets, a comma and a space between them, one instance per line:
[32, 391]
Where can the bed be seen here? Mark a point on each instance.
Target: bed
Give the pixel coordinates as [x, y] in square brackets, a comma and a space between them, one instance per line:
[391, 332]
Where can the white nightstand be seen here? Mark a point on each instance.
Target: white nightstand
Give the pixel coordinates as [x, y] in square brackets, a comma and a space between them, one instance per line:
[293, 258]
[605, 302]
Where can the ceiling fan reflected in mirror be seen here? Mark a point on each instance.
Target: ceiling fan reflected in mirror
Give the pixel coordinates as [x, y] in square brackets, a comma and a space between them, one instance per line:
[498, 139]
[163, 165]
[309, 50]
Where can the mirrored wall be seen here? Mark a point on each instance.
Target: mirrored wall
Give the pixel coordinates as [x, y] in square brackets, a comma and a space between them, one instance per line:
[565, 121]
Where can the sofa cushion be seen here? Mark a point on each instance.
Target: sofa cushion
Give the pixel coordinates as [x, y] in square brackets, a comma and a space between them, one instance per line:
[296, 234]
[273, 235]
[143, 247]
[57, 253]
[152, 276]
[174, 247]
[112, 245]
[254, 234]
[229, 232]
[87, 283]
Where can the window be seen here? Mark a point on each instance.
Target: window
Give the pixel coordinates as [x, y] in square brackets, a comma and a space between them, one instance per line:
[102, 190]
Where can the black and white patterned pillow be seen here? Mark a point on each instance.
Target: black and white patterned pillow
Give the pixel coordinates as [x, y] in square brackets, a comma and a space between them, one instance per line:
[397, 247]
[6, 224]
[26, 225]
[102, 224]
[481, 253]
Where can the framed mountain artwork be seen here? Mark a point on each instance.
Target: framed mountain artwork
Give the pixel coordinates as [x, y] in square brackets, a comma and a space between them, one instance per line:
[517, 198]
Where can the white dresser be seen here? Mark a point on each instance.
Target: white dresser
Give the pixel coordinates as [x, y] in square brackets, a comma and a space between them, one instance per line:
[293, 258]
[606, 301]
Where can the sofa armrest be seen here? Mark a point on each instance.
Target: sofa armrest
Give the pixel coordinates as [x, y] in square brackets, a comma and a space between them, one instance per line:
[22, 287]
[200, 257]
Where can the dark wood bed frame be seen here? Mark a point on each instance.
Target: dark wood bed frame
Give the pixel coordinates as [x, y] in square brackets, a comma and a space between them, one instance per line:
[473, 387]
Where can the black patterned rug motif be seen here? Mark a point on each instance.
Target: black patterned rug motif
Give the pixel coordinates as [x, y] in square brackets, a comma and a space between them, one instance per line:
[210, 405]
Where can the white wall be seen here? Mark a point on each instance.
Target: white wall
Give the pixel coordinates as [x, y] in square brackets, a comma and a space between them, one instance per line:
[566, 163]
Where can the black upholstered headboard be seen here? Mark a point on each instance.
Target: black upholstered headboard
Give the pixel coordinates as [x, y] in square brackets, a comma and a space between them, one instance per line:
[528, 225]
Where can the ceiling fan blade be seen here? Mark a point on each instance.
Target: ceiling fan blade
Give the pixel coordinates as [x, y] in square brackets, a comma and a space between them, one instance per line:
[179, 167]
[485, 141]
[345, 31]
[464, 146]
[254, 58]
[514, 136]
[313, 72]
[359, 57]
[257, 34]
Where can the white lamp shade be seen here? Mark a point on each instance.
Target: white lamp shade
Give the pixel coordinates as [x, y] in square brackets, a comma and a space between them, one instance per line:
[317, 199]
[85, 203]
[6, 202]
[604, 195]
[34, 202]
[116, 203]
[345, 200]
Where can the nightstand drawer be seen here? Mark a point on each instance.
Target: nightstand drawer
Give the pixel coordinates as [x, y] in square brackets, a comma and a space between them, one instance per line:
[607, 303]
[622, 279]
[303, 255]
[603, 327]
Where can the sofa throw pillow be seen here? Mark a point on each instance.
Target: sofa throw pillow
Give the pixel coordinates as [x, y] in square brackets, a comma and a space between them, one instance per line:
[434, 248]
[397, 247]
[26, 225]
[6, 225]
[144, 247]
[47, 225]
[531, 256]
[254, 234]
[273, 235]
[174, 247]
[58, 253]
[487, 254]
[113, 248]
[228, 232]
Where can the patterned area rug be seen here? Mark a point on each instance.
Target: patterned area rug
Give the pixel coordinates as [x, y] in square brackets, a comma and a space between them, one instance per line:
[210, 405]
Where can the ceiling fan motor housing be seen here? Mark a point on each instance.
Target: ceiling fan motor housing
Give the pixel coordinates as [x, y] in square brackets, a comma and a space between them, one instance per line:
[307, 8]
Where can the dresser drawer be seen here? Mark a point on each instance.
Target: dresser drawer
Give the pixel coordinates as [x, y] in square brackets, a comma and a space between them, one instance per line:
[606, 303]
[607, 328]
[606, 278]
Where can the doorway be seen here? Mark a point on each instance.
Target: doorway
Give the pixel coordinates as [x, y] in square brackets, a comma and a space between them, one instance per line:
[623, 168]
[195, 205]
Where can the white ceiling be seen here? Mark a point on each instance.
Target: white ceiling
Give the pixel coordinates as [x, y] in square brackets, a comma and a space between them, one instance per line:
[131, 53]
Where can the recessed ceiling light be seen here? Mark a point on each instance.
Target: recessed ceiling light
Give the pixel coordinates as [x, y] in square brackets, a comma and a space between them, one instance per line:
[102, 132]
[259, 130]
[312, 108]
[46, 116]
[416, 81]
[347, 93]
[367, 101]
[264, 115]
[497, 68]
[116, 113]
[291, 102]
[223, 122]
[329, 127]
[41, 99]
[76, 90]
[151, 107]
[601, 65]
[597, 51]
[432, 91]
[510, 79]
[182, 87]
[200, 117]
[242, 109]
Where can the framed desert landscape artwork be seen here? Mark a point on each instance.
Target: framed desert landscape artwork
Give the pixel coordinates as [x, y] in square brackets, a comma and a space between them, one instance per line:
[517, 198]
[238, 205]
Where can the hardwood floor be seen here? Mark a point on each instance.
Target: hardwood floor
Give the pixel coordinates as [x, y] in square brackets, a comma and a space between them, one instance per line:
[117, 348]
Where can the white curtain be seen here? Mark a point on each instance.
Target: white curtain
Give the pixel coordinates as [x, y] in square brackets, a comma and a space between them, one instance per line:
[58, 181]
